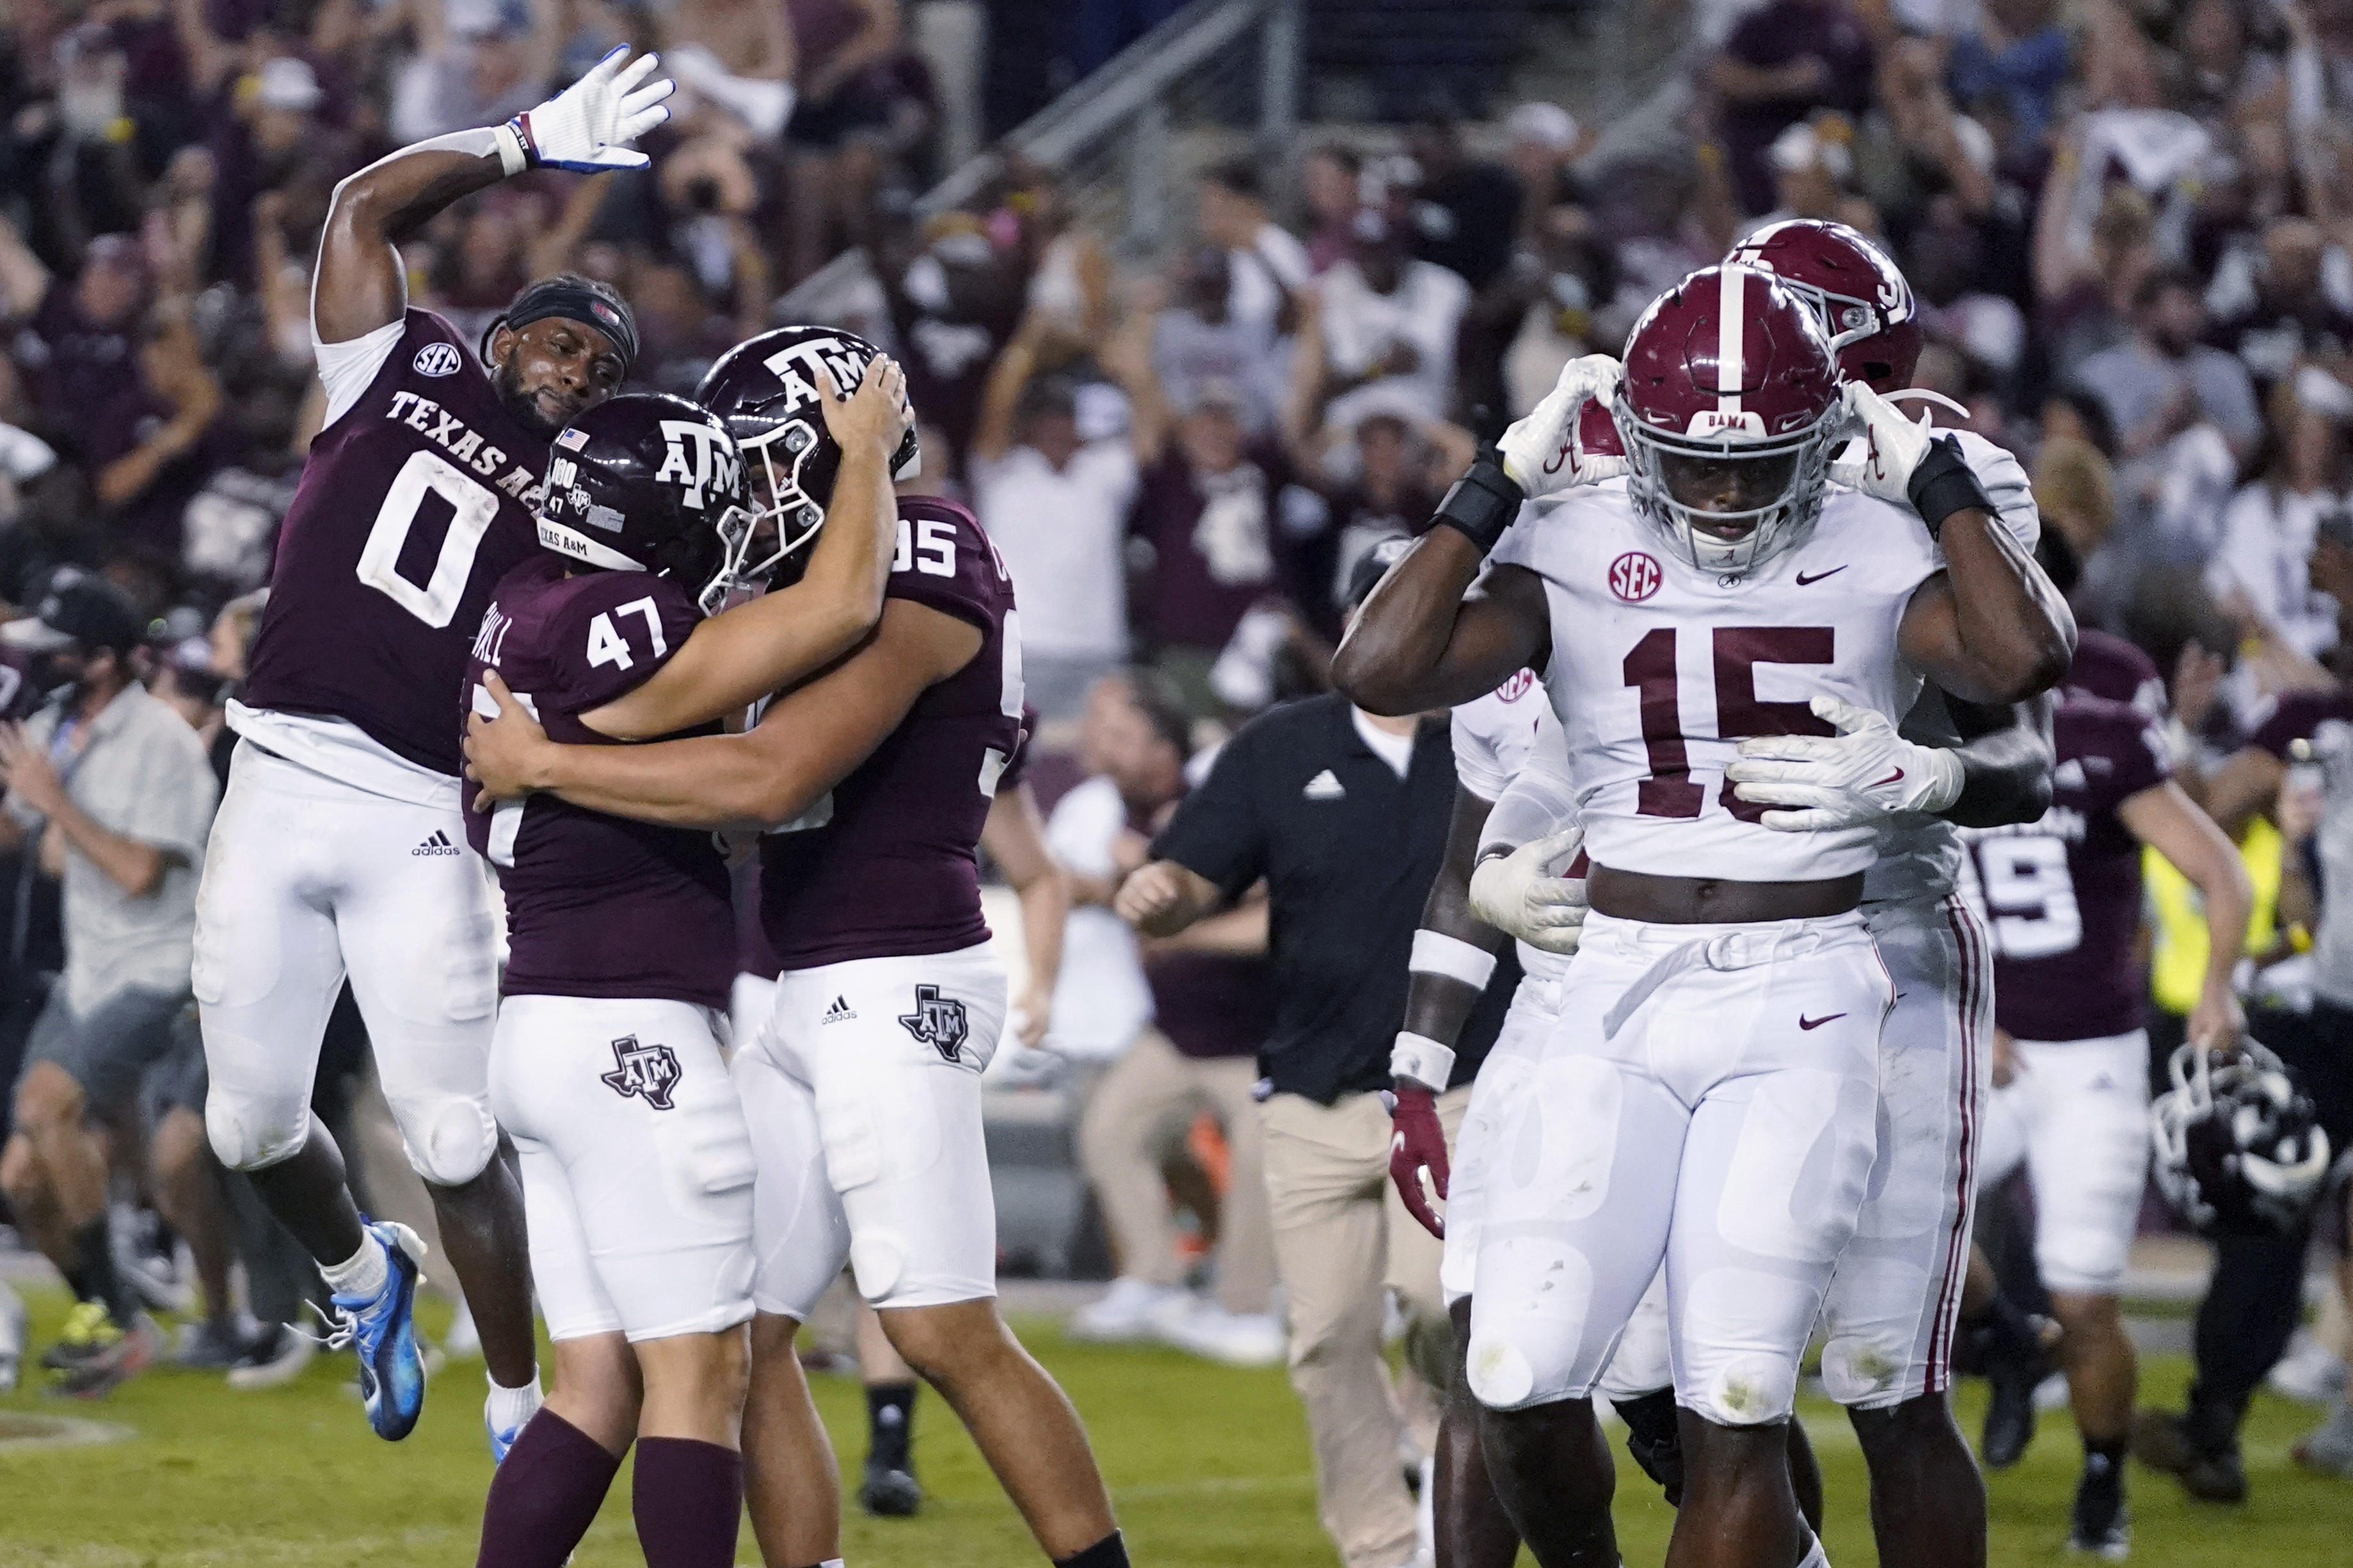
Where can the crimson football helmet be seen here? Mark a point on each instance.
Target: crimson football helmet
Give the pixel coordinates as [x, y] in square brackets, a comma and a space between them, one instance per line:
[2240, 1149]
[1730, 388]
[1861, 296]
[648, 482]
[766, 389]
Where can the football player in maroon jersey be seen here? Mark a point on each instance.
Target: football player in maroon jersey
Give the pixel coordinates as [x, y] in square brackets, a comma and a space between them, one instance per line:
[2063, 902]
[869, 786]
[338, 846]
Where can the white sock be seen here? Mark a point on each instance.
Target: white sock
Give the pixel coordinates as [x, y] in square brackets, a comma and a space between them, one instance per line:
[361, 1276]
[1817, 1558]
[509, 1408]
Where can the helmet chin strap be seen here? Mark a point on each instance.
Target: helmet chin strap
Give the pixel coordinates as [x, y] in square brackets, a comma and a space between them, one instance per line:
[1922, 394]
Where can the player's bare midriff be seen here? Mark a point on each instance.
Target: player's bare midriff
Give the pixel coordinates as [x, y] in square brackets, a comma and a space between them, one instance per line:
[1710, 900]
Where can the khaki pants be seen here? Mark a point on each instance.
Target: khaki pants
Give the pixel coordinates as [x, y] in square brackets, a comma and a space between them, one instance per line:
[1340, 1236]
[1143, 1102]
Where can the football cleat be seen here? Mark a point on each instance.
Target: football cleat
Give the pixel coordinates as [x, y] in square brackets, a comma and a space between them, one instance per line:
[276, 1354]
[2328, 1450]
[887, 1493]
[503, 1435]
[2014, 1370]
[382, 1329]
[2207, 1465]
[2099, 1524]
[97, 1354]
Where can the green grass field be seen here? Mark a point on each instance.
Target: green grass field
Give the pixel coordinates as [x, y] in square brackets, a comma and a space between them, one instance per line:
[1208, 1467]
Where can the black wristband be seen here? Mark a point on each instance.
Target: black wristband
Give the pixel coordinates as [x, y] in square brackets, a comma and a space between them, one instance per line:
[1483, 502]
[1942, 485]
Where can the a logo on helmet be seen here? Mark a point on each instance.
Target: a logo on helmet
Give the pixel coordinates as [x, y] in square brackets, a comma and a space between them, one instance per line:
[796, 366]
[699, 459]
[1718, 421]
[1634, 576]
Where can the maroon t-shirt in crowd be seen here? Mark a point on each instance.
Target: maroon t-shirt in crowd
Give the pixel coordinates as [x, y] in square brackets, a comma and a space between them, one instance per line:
[888, 869]
[2062, 896]
[413, 506]
[85, 379]
[1217, 546]
[597, 905]
[1776, 35]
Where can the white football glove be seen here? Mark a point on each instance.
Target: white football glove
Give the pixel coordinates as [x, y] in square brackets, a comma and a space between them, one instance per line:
[1851, 779]
[1524, 895]
[589, 125]
[1541, 452]
[1887, 447]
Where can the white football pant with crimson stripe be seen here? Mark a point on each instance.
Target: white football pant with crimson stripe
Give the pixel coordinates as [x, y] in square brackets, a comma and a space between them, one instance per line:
[1708, 1097]
[1887, 1322]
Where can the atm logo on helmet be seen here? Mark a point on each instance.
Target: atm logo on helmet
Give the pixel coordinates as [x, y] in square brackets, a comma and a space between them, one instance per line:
[699, 459]
[798, 365]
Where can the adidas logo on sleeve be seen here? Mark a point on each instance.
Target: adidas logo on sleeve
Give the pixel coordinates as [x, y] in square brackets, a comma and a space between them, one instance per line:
[438, 844]
[1323, 786]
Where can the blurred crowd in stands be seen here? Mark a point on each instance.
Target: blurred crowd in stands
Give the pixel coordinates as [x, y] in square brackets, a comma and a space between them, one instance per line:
[2129, 224]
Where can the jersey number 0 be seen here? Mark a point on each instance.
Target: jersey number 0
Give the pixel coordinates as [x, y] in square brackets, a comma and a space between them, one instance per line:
[472, 507]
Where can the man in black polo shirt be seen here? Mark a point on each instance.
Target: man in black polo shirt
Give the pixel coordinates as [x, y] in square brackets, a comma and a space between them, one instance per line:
[1344, 815]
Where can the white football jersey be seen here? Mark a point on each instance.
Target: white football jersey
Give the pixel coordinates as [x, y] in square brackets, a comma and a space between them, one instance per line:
[1658, 669]
[1494, 736]
[1920, 855]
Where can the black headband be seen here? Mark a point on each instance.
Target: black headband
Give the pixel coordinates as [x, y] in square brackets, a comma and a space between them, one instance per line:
[573, 301]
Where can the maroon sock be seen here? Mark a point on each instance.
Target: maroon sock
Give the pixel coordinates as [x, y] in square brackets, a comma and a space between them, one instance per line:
[545, 1494]
[688, 1497]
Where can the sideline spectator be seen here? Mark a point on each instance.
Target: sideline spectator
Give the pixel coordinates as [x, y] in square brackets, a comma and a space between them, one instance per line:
[115, 786]
[1210, 1007]
[1784, 60]
[1465, 210]
[1388, 322]
[1267, 263]
[1054, 501]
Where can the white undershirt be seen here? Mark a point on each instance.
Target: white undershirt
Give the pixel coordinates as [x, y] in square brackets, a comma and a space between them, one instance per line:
[1395, 750]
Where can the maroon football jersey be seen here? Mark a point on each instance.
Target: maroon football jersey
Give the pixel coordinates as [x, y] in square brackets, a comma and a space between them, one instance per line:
[597, 905]
[412, 506]
[2062, 896]
[2107, 665]
[889, 869]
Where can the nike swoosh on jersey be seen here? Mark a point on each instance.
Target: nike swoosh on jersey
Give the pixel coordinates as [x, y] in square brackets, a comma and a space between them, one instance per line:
[1803, 579]
[1805, 1022]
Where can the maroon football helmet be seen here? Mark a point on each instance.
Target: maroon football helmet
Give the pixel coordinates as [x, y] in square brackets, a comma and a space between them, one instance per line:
[766, 390]
[1728, 410]
[1863, 299]
[648, 482]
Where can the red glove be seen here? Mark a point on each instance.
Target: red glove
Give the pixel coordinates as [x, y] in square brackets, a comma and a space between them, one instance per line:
[1417, 1149]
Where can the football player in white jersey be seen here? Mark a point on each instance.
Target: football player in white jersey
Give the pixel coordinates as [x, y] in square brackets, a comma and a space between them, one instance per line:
[1889, 1319]
[1697, 1100]
[1889, 1304]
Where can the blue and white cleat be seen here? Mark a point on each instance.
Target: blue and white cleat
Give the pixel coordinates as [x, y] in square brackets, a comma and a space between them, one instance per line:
[383, 1330]
[503, 1437]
